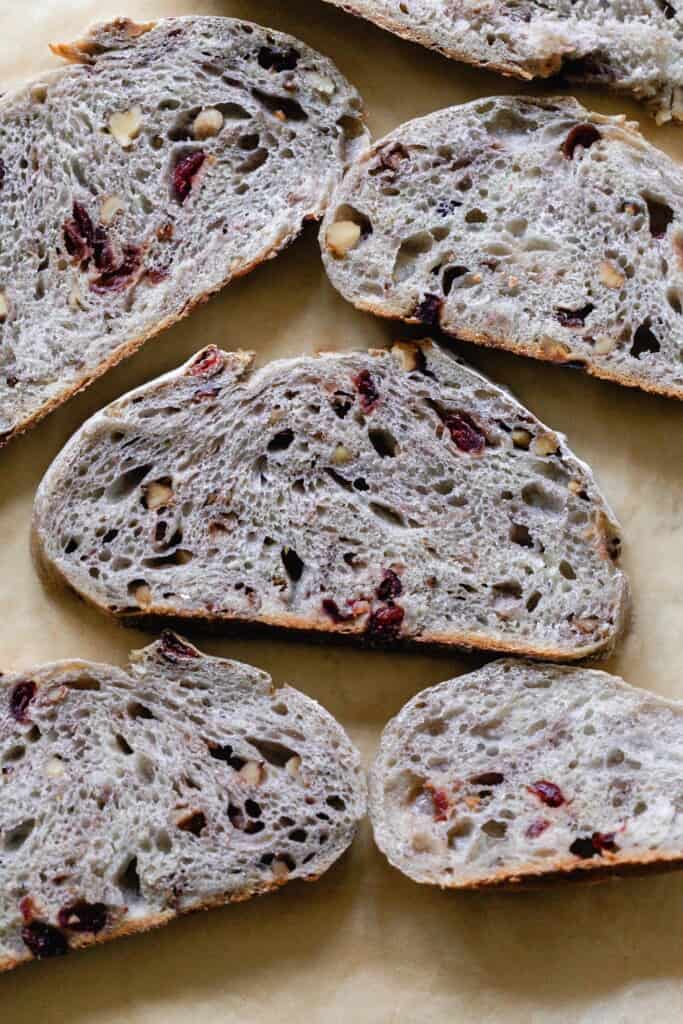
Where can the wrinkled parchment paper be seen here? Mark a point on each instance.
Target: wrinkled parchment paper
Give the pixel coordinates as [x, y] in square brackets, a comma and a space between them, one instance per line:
[364, 944]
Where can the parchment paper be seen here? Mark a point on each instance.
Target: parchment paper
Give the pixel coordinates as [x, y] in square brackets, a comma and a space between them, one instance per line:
[364, 944]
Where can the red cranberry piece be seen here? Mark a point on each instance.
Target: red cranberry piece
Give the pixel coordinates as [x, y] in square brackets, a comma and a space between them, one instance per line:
[548, 793]
[428, 310]
[73, 241]
[581, 135]
[390, 587]
[331, 608]
[28, 908]
[84, 223]
[465, 433]
[83, 917]
[103, 251]
[488, 779]
[366, 388]
[173, 649]
[604, 841]
[121, 277]
[389, 159]
[44, 940]
[20, 698]
[536, 828]
[156, 276]
[208, 363]
[441, 804]
[384, 625]
[184, 173]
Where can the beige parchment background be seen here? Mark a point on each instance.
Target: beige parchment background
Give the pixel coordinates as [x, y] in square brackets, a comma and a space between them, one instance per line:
[364, 944]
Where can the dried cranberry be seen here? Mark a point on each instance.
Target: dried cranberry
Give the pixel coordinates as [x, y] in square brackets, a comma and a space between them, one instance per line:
[121, 277]
[278, 60]
[428, 310]
[390, 587]
[604, 841]
[581, 135]
[20, 698]
[367, 389]
[536, 828]
[174, 649]
[184, 173]
[156, 275]
[44, 939]
[465, 433]
[548, 792]
[488, 779]
[28, 908]
[103, 251]
[83, 917]
[331, 608]
[79, 233]
[208, 363]
[441, 804]
[84, 223]
[574, 317]
[384, 625]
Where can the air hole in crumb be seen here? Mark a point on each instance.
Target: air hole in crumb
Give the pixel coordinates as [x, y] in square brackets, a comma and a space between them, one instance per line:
[128, 881]
[123, 744]
[567, 570]
[16, 837]
[383, 441]
[273, 752]
[336, 803]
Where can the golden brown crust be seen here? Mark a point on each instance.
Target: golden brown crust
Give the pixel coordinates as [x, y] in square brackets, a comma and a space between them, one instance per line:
[294, 627]
[128, 348]
[597, 869]
[541, 69]
[145, 924]
[459, 333]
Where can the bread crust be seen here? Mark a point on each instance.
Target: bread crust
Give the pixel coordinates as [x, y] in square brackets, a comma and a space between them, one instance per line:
[524, 72]
[321, 629]
[153, 658]
[519, 348]
[85, 51]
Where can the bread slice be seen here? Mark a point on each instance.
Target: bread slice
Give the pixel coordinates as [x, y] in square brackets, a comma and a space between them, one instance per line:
[168, 159]
[390, 497]
[183, 782]
[633, 47]
[520, 773]
[525, 224]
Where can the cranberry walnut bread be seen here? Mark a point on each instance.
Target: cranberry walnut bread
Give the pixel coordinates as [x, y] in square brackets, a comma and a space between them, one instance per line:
[168, 159]
[184, 782]
[387, 496]
[523, 772]
[525, 224]
[632, 47]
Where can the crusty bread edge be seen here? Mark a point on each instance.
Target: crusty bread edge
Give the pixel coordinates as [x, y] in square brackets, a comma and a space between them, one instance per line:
[77, 52]
[533, 70]
[150, 921]
[154, 618]
[518, 348]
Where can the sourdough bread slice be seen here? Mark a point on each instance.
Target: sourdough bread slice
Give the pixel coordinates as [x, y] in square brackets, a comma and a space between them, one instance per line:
[383, 496]
[184, 782]
[520, 773]
[168, 159]
[525, 224]
[629, 46]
